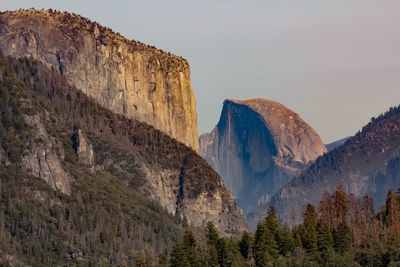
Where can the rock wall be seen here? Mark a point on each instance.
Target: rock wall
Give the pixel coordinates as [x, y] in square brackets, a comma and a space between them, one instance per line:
[127, 77]
[43, 156]
[257, 146]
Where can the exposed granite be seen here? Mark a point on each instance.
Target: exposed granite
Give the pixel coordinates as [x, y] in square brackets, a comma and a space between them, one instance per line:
[257, 146]
[127, 77]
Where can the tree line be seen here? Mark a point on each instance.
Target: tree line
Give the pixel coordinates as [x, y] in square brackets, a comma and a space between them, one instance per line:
[341, 231]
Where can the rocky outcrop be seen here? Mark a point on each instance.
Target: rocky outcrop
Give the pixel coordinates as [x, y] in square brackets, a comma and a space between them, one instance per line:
[43, 155]
[257, 146]
[83, 148]
[366, 164]
[195, 194]
[127, 77]
[91, 141]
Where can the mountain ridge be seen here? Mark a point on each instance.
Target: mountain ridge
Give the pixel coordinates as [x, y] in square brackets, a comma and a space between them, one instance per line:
[125, 76]
[360, 165]
[155, 164]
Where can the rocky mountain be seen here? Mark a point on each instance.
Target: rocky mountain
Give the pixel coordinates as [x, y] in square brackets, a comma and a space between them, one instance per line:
[257, 146]
[366, 164]
[124, 76]
[81, 185]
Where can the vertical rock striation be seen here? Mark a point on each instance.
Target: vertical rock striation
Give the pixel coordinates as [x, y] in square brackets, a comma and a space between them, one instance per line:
[127, 77]
[257, 146]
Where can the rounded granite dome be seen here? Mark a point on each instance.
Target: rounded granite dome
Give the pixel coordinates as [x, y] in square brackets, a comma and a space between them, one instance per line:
[293, 137]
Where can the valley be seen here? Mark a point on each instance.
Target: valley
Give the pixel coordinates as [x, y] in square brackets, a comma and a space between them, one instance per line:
[101, 164]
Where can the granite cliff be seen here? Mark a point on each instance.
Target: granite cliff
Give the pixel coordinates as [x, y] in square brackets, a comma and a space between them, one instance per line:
[64, 127]
[124, 76]
[257, 146]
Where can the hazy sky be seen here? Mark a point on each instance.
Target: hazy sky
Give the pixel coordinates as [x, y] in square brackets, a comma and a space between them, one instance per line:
[336, 63]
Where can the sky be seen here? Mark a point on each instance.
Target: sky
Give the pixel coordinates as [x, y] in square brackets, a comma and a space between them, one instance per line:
[336, 63]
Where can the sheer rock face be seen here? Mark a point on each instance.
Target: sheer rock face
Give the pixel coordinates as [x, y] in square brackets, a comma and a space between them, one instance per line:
[127, 77]
[257, 146]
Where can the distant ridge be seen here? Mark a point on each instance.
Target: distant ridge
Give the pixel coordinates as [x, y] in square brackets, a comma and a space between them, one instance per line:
[333, 145]
[365, 164]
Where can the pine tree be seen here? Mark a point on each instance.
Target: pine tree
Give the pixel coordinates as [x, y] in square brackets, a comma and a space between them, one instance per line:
[325, 210]
[178, 257]
[246, 246]
[392, 214]
[309, 235]
[212, 240]
[186, 253]
[340, 206]
[297, 238]
[371, 253]
[342, 238]
[271, 221]
[265, 247]
[325, 241]
[212, 234]
[285, 241]
[228, 253]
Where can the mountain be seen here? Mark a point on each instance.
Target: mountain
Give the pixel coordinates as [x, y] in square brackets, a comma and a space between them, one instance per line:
[333, 145]
[366, 164]
[81, 185]
[124, 76]
[257, 146]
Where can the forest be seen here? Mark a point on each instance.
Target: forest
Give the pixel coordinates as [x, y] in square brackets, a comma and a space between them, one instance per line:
[341, 231]
[106, 223]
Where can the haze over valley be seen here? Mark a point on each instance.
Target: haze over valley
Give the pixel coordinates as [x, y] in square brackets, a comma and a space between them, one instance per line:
[278, 149]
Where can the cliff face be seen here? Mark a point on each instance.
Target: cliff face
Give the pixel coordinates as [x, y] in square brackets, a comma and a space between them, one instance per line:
[127, 77]
[257, 146]
[366, 164]
[67, 138]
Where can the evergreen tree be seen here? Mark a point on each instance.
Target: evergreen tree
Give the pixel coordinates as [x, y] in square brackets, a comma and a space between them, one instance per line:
[228, 253]
[325, 241]
[296, 233]
[309, 235]
[246, 246]
[371, 253]
[325, 210]
[212, 240]
[178, 257]
[342, 238]
[392, 214]
[186, 253]
[285, 241]
[271, 221]
[212, 234]
[340, 206]
[223, 253]
[265, 247]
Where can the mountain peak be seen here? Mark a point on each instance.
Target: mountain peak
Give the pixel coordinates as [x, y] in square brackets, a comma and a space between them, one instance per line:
[77, 22]
[293, 137]
[125, 76]
[257, 146]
